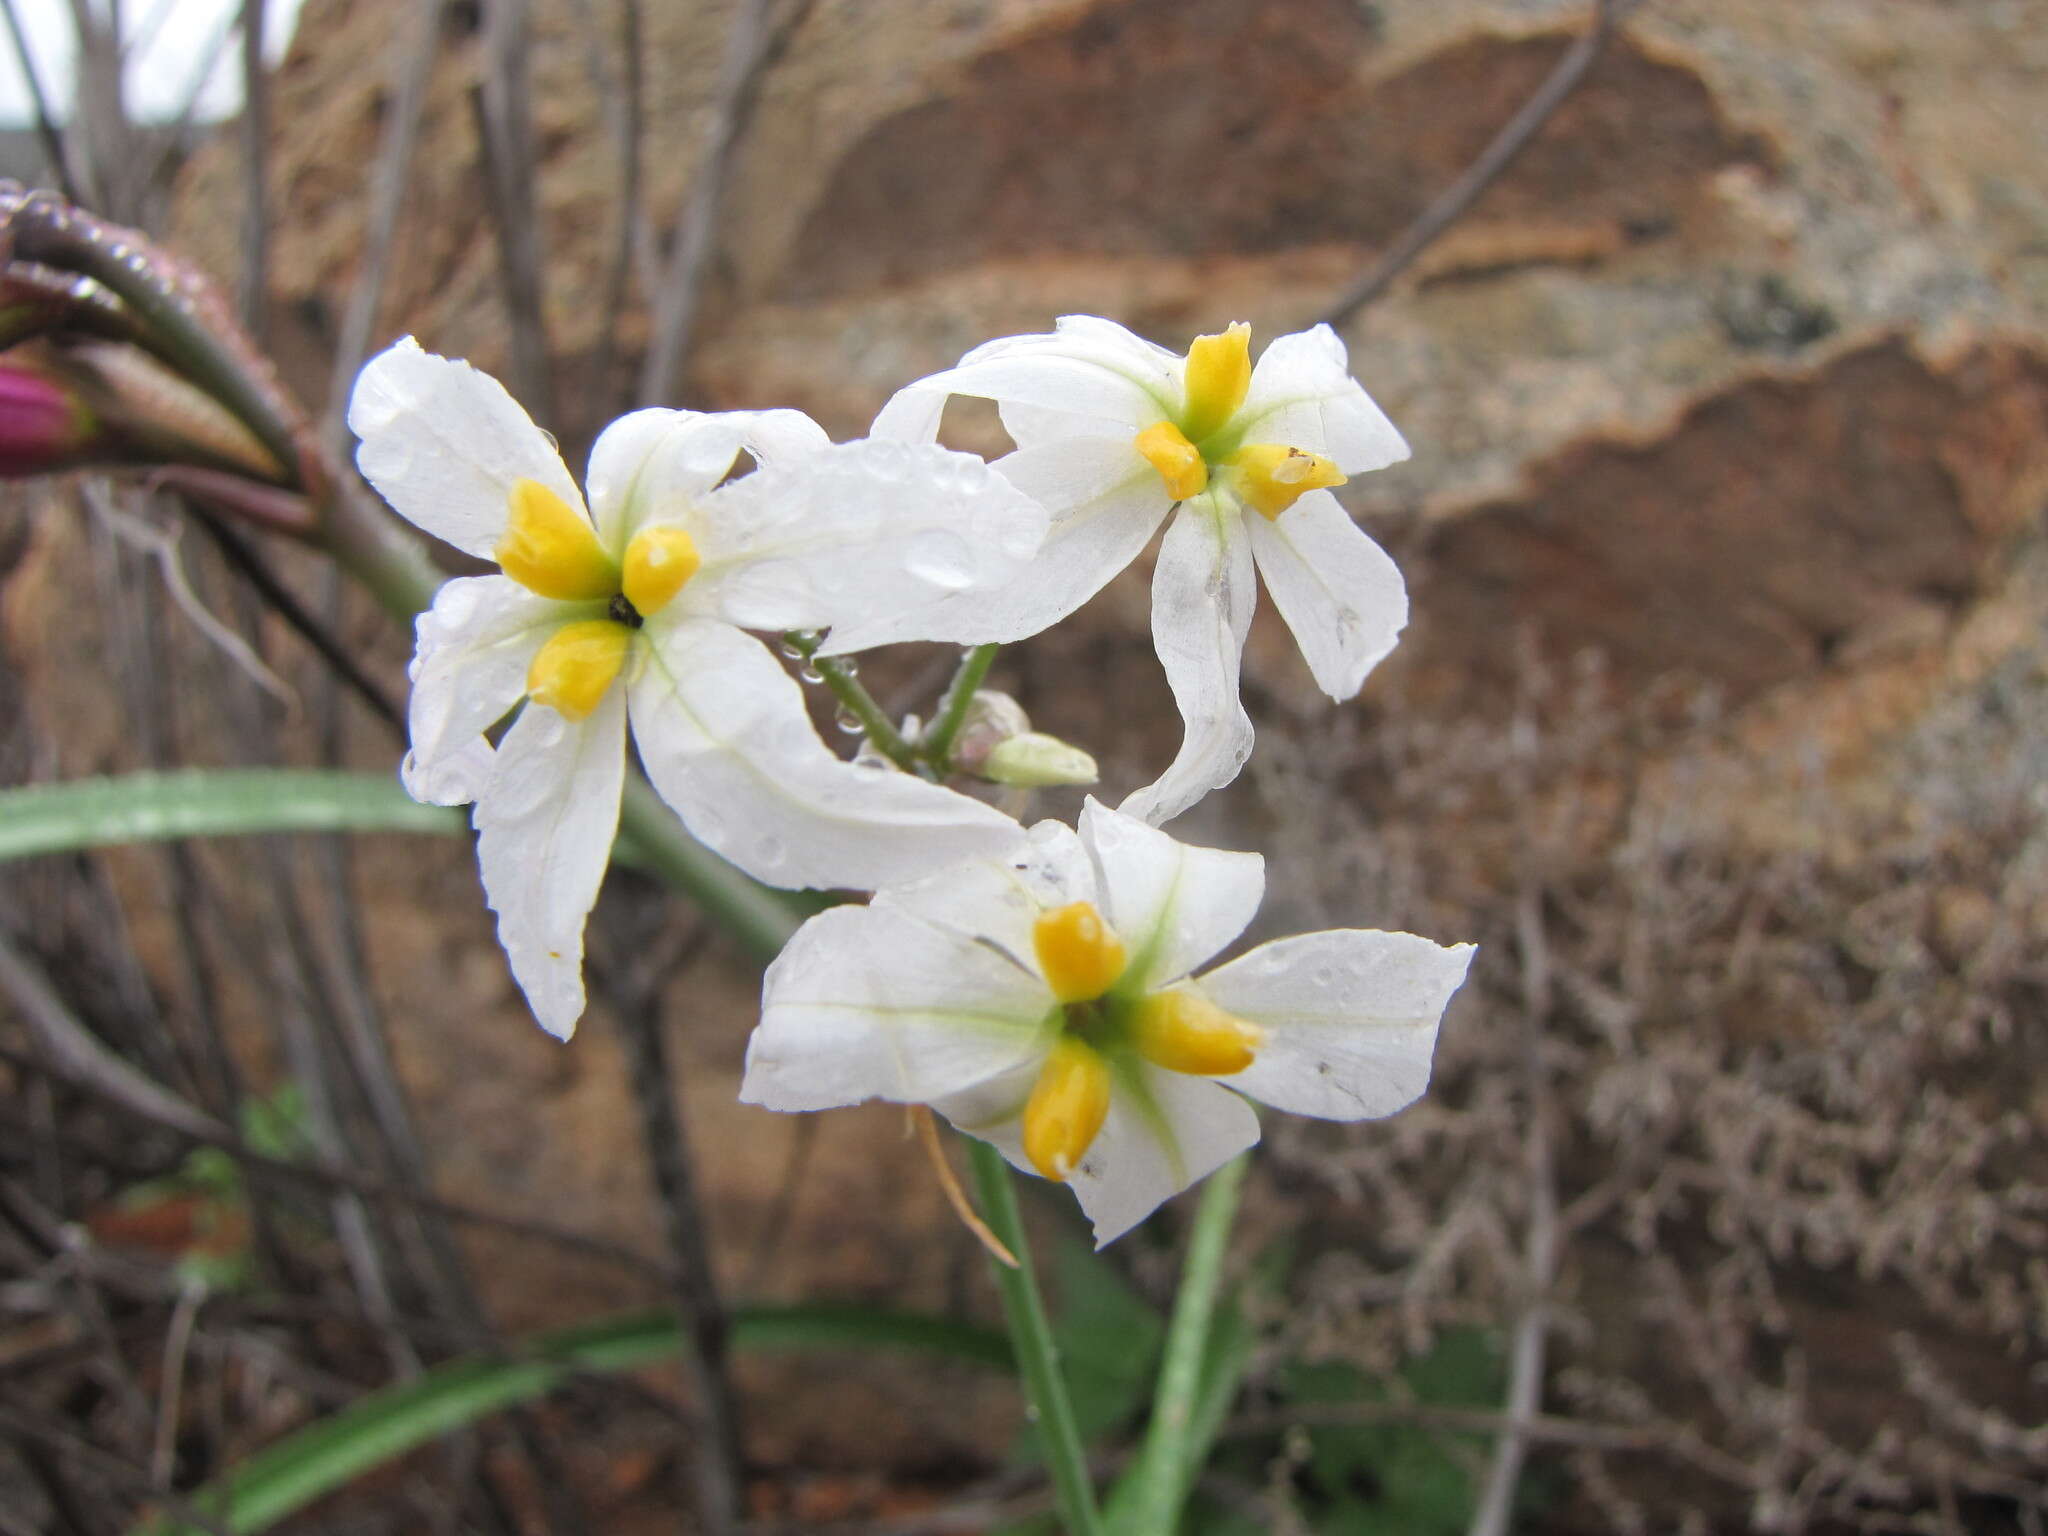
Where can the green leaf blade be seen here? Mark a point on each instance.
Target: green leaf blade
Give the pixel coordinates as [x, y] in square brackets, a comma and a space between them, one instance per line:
[209, 802]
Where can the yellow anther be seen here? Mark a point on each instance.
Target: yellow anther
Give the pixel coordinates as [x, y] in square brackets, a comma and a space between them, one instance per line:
[1178, 461]
[1219, 372]
[1080, 955]
[1066, 1109]
[577, 664]
[1185, 1032]
[550, 548]
[1270, 479]
[658, 562]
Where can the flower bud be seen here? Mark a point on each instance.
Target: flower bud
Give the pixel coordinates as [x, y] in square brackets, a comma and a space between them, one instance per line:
[44, 426]
[992, 718]
[1035, 760]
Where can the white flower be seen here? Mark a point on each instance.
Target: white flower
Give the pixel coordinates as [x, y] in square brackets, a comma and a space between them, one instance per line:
[1044, 1002]
[1113, 433]
[635, 609]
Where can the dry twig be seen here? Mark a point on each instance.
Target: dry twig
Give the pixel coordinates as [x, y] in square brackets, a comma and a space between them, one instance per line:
[675, 305]
[1515, 135]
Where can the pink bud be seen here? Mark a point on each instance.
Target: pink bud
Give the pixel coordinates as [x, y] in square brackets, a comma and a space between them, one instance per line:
[43, 426]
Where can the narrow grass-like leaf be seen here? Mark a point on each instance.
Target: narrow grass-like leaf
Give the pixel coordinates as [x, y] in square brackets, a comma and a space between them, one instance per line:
[323, 1456]
[207, 802]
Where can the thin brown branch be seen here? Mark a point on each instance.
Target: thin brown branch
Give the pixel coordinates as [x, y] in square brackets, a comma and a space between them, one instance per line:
[412, 64]
[1515, 135]
[718, 1457]
[55, 149]
[160, 1108]
[316, 632]
[38, 1426]
[675, 305]
[1526, 1355]
[624, 114]
[255, 275]
[1549, 1428]
[504, 120]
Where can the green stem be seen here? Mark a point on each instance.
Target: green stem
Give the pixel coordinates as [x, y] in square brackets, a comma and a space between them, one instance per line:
[1166, 1466]
[760, 919]
[852, 696]
[938, 741]
[261, 1490]
[1031, 1337]
[392, 564]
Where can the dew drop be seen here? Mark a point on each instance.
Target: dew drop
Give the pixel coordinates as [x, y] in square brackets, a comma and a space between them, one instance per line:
[848, 721]
[811, 674]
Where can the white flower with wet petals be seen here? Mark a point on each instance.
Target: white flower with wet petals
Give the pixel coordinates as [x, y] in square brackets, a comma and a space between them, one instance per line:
[1048, 1003]
[635, 610]
[1114, 433]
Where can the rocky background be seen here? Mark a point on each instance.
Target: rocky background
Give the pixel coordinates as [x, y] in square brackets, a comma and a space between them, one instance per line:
[1719, 722]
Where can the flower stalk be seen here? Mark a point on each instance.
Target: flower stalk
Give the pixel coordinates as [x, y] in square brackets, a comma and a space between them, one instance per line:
[945, 729]
[1157, 1486]
[838, 675]
[1038, 1357]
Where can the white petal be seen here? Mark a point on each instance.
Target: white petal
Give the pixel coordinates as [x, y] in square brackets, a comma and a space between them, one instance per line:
[868, 538]
[912, 414]
[872, 1002]
[1351, 1018]
[1302, 395]
[659, 466]
[1106, 504]
[1174, 905]
[444, 444]
[1164, 1132]
[1203, 593]
[545, 825]
[1033, 426]
[620, 460]
[474, 647]
[1338, 590]
[999, 900]
[724, 736]
[1087, 367]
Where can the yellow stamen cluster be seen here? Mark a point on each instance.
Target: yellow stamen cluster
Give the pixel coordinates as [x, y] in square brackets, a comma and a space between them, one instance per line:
[1178, 461]
[550, 548]
[1270, 478]
[1180, 1030]
[658, 563]
[1079, 953]
[576, 666]
[1267, 477]
[1185, 1032]
[1066, 1109]
[1219, 374]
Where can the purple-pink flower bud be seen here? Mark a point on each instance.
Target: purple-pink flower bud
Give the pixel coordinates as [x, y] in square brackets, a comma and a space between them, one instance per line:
[43, 425]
